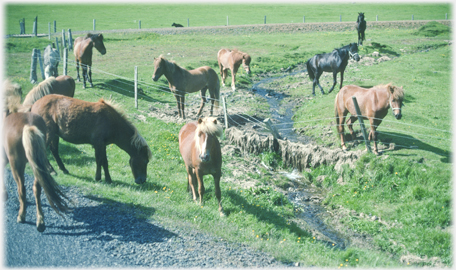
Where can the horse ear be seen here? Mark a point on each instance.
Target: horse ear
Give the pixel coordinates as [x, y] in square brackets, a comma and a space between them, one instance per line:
[100, 35]
[200, 120]
[215, 121]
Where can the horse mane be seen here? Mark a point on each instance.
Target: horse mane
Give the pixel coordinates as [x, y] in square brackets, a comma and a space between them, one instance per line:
[12, 96]
[397, 92]
[209, 126]
[173, 63]
[39, 91]
[136, 140]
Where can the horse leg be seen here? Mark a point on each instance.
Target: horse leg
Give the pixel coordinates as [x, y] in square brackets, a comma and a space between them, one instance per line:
[17, 169]
[317, 82]
[84, 75]
[218, 193]
[199, 177]
[40, 226]
[192, 182]
[203, 100]
[334, 81]
[373, 134]
[54, 146]
[350, 122]
[90, 76]
[233, 79]
[341, 78]
[224, 74]
[101, 160]
[5, 161]
[77, 70]
[340, 127]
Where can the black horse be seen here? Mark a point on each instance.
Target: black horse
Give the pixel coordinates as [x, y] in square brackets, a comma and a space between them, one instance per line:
[334, 62]
[177, 25]
[361, 27]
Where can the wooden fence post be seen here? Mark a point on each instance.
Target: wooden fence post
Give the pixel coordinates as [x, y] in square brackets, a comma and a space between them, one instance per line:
[35, 26]
[63, 39]
[40, 60]
[273, 130]
[94, 22]
[33, 78]
[70, 40]
[224, 112]
[57, 44]
[55, 26]
[361, 123]
[139, 24]
[49, 27]
[136, 87]
[188, 22]
[22, 26]
[65, 61]
[264, 19]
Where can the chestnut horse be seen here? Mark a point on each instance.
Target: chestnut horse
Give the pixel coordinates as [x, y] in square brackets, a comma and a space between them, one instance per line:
[63, 85]
[231, 60]
[96, 123]
[24, 141]
[182, 81]
[83, 53]
[373, 103]
[200, 150]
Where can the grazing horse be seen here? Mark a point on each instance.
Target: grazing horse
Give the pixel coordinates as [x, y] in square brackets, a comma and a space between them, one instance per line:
[83, 52]
[177, 25]
[360, 27]
[24, 141]
[182, 81]
[96, 123]
[231, 60]
[373, 103]
[63, 85]
[334, 62]
[51, 61]
[200, 150]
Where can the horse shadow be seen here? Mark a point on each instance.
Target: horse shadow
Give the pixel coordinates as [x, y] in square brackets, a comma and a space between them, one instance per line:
[126, 88]
[385, 49]
[111, 220]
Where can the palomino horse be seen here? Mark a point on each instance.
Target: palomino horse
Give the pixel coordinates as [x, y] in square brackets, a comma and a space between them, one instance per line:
[83, 52]
[63, 85]
[200, 149]
[24, 141]
[51, 61]
[334, 62]
[373, 103]
[182, 81]
[96, 123]
[360, 27]
[231, 60]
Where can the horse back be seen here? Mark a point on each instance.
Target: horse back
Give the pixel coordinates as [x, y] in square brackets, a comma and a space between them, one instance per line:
[222, 57]
[82, 50]
[65, 85]
[201, 77]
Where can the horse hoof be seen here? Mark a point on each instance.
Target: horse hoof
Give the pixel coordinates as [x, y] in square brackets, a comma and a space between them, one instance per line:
[222, 214]
[20, 219]
[41, 227]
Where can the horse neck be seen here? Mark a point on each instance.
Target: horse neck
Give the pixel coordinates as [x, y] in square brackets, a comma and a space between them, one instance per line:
[124, 138]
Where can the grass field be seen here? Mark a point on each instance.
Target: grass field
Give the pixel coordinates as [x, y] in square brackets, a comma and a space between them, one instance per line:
[409, 188]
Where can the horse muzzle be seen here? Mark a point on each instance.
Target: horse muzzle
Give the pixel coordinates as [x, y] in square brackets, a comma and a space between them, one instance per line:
[103, 52]
[205, 158]
[398, 116]
[140, 179]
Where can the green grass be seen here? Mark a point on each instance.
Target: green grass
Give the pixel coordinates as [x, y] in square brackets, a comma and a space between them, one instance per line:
[414, 203]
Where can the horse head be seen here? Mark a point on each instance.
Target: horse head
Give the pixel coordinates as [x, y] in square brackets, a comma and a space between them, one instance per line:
[159, 67]
[360, 16]
[353, 51]
[139, 158]
[246, 62]
[395, 100]
[98, 43]
[206, 137]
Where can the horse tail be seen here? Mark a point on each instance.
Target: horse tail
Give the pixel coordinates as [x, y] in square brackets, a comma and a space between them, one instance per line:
[217, 92]
[309, 70]
[35, 151]
[72, 86]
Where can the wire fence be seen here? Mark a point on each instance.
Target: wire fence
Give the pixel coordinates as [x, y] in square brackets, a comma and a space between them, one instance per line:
[124, 84]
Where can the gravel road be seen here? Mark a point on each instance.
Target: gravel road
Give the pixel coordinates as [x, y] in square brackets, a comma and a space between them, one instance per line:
[100, 233]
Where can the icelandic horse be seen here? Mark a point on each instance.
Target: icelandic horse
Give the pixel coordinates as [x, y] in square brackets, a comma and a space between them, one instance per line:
[83, 47]
[232, 59]
[374, 104]
[200, 150]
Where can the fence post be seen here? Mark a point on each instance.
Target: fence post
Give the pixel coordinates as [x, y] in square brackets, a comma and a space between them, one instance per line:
[49, 28]
[35, 26]
[55, 26]
[224, 112]
[136, 87]
[65, 61]
[33, 78]
[377, 18]
[40, 60]
[63, 39]
[22, 25]
[446, 16]
[139, 24]
[70, 40]
[94, 22]
[412, 17]
[188, 22]
[361, 123]
[264, 19]
[273, 130]
[57, 44]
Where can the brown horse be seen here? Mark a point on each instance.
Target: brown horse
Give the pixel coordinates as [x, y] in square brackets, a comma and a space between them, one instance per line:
[63, 85]
[200, 149]
[24, 141]
[182, 81]
[373, 103]
[228, 59]
[83, 53]
[96, 123]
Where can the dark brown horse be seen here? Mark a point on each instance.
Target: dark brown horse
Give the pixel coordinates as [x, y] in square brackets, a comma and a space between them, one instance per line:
[373, 103]
[83, 47]
[24, 141]
[182, 81]
[63, 85]
[361, 28]
[231, 60]
[200, 149]
[96, 123]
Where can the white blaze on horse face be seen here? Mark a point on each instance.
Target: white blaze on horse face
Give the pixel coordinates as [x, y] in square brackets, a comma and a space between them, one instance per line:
[204, 155]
